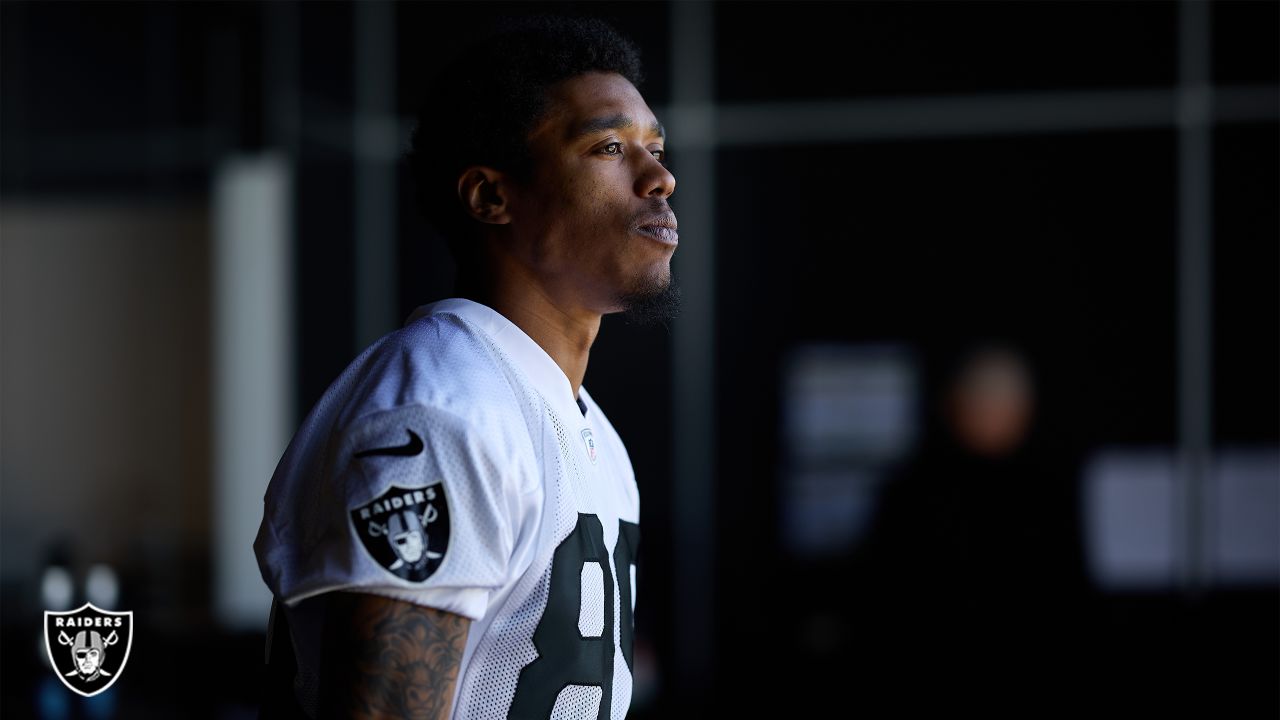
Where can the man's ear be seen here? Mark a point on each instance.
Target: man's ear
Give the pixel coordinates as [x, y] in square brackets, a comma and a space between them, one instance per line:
[483, 192]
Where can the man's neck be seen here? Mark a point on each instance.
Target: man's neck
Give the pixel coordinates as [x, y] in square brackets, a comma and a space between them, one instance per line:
[564, 332]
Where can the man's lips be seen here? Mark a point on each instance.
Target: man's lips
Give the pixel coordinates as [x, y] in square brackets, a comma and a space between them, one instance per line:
[661, 229]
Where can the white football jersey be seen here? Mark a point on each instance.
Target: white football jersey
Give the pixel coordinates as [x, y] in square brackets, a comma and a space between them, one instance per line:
[451, 467]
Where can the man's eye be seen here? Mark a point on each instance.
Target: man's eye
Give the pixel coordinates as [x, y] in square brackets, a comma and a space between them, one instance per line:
[613, 148]
[659, 155]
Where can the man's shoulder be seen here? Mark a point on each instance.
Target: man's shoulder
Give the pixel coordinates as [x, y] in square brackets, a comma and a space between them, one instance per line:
[438, 361]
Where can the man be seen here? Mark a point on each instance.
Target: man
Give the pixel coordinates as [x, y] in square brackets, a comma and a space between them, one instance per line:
[453, 530]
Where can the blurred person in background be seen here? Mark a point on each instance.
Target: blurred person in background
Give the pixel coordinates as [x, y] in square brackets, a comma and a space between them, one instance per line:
[976, 563]
[453, 530]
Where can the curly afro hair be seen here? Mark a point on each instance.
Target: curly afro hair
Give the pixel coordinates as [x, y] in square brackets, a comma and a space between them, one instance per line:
[482, 107]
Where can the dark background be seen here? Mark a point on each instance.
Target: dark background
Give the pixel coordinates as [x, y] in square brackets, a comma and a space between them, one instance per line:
[1059, 238]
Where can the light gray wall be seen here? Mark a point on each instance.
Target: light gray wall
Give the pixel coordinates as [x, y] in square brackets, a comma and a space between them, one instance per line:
[104, 387]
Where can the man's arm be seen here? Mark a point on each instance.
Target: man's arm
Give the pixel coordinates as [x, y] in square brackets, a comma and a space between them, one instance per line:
[386, 658]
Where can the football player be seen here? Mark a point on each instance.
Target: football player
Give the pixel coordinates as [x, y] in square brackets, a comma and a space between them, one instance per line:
[453, 530]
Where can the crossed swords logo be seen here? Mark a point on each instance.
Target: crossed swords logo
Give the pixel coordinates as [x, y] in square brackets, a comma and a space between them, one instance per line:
[95, 641]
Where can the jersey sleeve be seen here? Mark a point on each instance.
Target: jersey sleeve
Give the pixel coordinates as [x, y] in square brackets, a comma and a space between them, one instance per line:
[413, 503]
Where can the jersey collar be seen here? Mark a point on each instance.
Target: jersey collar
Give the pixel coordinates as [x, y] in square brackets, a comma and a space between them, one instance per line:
[528, 355]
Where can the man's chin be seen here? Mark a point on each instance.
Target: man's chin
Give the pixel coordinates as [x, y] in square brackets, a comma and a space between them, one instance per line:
[655, 304]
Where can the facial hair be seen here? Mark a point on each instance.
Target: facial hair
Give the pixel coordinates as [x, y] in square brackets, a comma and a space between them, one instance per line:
[652, 303]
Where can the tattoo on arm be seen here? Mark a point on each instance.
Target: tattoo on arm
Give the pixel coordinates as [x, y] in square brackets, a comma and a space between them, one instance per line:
[387, 658]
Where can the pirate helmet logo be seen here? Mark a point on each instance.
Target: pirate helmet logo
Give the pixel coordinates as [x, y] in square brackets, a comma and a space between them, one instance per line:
[405, 530]
[87, 650]
[92, 647]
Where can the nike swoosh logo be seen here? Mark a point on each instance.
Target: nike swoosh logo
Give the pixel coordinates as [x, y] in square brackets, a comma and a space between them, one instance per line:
[409, 449]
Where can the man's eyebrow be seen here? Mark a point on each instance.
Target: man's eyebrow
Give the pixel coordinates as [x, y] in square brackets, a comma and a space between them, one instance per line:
[613, 122]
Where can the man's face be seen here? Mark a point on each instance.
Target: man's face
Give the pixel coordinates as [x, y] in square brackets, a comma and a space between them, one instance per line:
[593, 224]
[992, 403]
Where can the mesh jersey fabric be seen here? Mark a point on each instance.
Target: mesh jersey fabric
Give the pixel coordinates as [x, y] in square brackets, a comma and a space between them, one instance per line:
[530, 527]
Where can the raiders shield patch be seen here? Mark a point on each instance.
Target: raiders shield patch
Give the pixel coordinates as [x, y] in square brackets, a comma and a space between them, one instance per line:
[88, 647]
[406, 530]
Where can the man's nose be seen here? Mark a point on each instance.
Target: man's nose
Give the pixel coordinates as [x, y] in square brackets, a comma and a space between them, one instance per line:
[655, 180]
